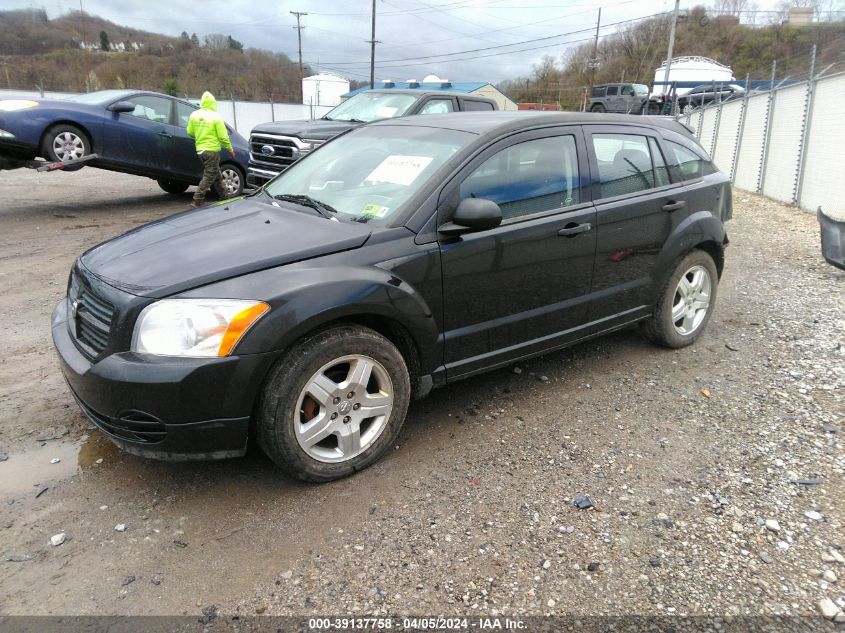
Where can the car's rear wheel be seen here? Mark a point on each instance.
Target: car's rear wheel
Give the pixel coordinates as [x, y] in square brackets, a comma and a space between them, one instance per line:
[174, 187]
[598, 108]
[66, 142]
[334, 404]
[685, 302]
[231, 181]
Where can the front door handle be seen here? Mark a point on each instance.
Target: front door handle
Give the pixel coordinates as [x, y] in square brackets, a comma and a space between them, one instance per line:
[674, 206]
[572, 229]
[165, 134]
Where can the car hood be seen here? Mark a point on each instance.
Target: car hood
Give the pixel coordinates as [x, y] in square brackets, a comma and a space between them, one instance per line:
[318, 129]
[205, 245]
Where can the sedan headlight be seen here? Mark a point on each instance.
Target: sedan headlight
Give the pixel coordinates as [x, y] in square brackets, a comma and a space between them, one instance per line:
[13, 105]
[194, 327]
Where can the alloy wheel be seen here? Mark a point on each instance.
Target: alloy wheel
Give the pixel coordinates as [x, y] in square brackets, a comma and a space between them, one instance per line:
[231, 179]
[343, 408]
[692, 300]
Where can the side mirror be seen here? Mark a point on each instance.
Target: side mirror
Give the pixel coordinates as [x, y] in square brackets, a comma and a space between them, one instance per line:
[122, 106]
[473, 214]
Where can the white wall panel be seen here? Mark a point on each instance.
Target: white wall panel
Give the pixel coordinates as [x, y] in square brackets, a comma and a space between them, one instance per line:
[781, 168]
[708, 127]
[727, 135]
[751, 146]
[824, 176]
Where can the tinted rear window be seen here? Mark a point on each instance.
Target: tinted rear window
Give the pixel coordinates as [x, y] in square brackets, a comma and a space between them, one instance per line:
[471, 106]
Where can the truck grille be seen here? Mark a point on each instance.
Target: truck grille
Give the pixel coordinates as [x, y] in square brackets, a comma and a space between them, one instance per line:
[91, 319]
[277, 152]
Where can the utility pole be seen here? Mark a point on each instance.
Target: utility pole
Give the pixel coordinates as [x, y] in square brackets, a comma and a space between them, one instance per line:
[373, 41]
[671, 45]
[594, 62]
[299, 28]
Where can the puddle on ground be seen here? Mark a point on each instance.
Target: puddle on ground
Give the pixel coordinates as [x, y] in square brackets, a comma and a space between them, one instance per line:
[27, 472]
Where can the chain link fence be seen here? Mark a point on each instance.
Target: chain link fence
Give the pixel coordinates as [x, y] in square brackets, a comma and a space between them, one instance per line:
[785, 142]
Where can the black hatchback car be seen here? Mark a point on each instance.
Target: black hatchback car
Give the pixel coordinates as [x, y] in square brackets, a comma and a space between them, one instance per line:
[403, 255]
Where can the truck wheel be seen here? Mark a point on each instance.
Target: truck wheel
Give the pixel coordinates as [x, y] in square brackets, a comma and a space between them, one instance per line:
[174, 187]
[598, 108]
[334, 404]
[66, 142]
[685, 302]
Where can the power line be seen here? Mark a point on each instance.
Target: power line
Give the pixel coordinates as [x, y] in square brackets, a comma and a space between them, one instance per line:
[489, 48]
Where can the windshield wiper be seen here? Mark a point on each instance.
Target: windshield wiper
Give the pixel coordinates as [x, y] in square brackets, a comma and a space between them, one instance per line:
[326, 210]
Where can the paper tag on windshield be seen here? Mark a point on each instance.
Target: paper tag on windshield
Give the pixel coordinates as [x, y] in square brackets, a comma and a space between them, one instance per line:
[385, 112]
[399, 170]
[375, 211]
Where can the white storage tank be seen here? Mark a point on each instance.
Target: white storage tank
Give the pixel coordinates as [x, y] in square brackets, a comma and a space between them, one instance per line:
[690, 72]
[323, 90]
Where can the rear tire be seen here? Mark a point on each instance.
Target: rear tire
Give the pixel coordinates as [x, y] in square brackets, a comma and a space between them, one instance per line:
[598, 108]
[173, 186]
[685, 302]
[66, 142]
[332, 387]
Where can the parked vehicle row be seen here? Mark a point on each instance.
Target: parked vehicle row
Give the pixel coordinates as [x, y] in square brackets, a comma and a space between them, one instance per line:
[133, 132]
[275, 146]
[404, 255]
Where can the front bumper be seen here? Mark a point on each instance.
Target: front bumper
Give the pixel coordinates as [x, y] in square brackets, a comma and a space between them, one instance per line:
[256, 177]
[161, 407]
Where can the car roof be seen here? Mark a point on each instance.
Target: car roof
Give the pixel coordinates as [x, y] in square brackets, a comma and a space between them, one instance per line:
[514, 121]
[420, 93]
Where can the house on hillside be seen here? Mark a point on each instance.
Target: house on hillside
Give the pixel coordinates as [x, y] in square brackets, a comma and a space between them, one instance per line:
[480, 88]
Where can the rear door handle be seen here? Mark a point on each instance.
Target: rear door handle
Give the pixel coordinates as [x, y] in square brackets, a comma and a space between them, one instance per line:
[674, 206]
[165, 134]
[570, 230]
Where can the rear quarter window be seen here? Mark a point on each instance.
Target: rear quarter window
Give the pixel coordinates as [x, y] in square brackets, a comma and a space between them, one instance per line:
[690, 164]
[598, 91]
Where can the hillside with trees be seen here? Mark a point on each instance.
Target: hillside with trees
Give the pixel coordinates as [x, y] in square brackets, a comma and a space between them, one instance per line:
[634, 52]
[79, 52]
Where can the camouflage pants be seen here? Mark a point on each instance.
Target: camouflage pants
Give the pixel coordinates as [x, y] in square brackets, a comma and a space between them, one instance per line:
[210, 174]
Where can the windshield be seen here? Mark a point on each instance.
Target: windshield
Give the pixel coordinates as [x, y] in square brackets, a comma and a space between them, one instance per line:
[369, 106]
[370, 173]
[101, 96]
[640, 89]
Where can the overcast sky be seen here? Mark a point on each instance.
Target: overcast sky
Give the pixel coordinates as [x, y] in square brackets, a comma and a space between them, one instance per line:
[418, 37]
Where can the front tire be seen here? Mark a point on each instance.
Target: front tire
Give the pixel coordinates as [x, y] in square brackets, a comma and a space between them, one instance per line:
[173, 187]
[685, 302]
[232, 181]
[334, 404]
[66, 142]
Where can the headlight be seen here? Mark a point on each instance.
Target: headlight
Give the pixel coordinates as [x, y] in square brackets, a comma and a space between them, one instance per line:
[194, 327]
[13, 105]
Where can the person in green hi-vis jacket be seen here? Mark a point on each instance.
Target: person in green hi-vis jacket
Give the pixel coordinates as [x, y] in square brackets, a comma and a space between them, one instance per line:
[208, 130]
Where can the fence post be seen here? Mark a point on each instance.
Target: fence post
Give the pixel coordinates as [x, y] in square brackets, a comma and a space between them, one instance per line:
[805, 130]
[234, 111]
[272, 110]
[761, 173]
[716, 130]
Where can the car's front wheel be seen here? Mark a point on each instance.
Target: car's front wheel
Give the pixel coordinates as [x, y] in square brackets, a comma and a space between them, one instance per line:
[232, 181]
[334, 404]
[174, 187]
[66, 142]
[685, 302]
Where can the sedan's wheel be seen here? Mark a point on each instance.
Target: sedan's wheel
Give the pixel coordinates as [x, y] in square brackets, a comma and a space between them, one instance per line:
[231, 182]
[685, 303]
[688, 107]
[64, 143]
[174, 187]
[334, 404]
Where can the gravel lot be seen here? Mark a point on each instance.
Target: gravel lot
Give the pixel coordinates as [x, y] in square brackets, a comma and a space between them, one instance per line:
[716, 472]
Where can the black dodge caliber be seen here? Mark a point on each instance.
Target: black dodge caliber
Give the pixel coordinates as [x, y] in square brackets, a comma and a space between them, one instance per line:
[400, 256]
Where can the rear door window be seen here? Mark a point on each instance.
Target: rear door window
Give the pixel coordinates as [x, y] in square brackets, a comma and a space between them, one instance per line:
[624, 164]
[690, 164]
[183, 113]
[612, 90]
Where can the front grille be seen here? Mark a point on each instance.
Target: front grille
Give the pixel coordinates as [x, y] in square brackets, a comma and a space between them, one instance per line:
[285, 150]
[91, 319]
